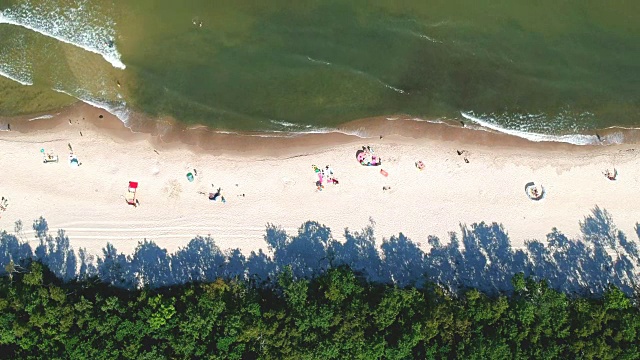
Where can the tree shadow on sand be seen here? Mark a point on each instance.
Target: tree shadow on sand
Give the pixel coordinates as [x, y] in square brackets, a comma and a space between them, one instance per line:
[479, 256]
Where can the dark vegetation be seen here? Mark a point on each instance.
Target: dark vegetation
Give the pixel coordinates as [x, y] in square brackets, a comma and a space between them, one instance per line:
[312, 297]
[337, 315]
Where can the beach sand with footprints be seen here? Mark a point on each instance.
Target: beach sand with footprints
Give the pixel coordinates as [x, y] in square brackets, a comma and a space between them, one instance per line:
[270, 180]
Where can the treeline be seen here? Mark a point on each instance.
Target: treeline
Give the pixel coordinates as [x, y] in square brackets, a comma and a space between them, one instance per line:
[336, 315]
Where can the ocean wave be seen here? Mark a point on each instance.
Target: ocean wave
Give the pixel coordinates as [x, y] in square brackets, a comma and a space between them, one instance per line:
[358, 72]
[575, 139]
[424, 37]
[23, 81]
[14, 64]
[290, 134]
[321, 62]
[290, 126]
[69, 25]
[284, 123]
[42, 117]
[417, 119]
[374, 78]
[119, 109]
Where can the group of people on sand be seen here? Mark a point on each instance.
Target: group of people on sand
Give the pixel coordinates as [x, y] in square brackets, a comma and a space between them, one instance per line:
[366, 157]
[536, 192]
[51, 157]
[324, 176]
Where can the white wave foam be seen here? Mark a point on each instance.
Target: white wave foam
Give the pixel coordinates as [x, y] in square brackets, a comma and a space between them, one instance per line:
[416, 119]
[288, 125]
[614, 138]
[68, 25]
[425, 37]
[289, 134]
[575, 139]
[118, 109]
[16, 79]
[284, 123]
[318, 61]
[399, 91]
[41, 117]
[322, 62]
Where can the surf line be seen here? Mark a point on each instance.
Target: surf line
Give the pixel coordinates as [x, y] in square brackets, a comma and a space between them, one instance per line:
[113, 58]
[575, 139]
[25, 83]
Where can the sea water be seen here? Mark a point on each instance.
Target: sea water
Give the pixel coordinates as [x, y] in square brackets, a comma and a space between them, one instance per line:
[530, 67]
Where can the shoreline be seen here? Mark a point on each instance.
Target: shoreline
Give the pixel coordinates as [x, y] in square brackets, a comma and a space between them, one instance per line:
[275, 175]
[168, 130]
[406, 126]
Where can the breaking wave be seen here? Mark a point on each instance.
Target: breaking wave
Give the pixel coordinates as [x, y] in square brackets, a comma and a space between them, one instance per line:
[17, 77]
[576, 139]
[81, 24]
[117, 108]
[42, 117]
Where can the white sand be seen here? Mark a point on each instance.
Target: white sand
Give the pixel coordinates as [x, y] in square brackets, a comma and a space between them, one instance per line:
[88, 201]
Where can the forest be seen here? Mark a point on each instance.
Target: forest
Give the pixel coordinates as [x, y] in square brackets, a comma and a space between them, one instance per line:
[336, 315]
[310, 296]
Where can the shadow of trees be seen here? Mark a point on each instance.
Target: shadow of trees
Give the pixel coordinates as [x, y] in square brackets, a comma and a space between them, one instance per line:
[479, 256]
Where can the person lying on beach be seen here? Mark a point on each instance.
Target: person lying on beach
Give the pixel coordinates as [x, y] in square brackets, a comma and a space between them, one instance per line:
[215, 196]
[610, 175]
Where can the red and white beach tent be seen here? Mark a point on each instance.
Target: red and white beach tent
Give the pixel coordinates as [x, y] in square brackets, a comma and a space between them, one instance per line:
[131, 193]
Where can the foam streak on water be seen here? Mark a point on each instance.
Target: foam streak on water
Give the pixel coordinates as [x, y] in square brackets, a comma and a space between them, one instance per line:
[13, 60]
[576, 139]
[361, 73]
[14, 78]
[42, 117]
[69, 25]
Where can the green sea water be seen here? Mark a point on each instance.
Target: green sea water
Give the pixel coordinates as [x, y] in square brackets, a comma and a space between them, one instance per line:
[556, 67]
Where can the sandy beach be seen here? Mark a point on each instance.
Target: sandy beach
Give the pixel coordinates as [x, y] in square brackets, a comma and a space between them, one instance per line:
[271, 180]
